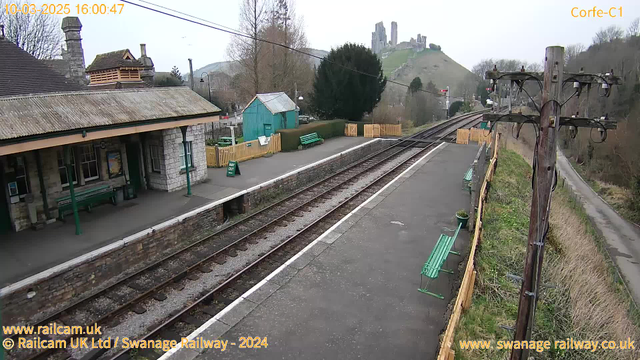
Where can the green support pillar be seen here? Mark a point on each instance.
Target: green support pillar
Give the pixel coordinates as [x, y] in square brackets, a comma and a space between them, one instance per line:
[74, 205]
[186, 159]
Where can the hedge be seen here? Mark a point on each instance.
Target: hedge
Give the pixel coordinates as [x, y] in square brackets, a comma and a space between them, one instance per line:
[290, 138]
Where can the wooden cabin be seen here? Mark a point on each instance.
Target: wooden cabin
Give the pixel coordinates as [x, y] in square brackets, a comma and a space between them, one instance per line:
[115, 70]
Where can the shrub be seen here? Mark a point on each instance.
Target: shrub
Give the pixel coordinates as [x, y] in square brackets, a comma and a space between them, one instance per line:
[462, 213]
[290, 138]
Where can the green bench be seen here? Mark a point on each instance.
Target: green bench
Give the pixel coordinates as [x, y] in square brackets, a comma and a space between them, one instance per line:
[309, 139]
[225, 141]
[85, 199]
[433, 266]
[466, 180]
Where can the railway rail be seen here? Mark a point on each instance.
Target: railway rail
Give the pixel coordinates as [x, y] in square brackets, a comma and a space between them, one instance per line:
[151, 282]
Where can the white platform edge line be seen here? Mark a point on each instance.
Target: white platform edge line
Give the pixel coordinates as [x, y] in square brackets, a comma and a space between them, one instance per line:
[275, 272]
[132, 238]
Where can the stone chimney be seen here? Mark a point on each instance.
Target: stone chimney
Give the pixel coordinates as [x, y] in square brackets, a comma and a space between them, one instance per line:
[74, 55]
[149, 70]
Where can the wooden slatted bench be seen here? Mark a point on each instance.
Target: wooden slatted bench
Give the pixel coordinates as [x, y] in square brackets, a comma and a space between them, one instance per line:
[86, 199]
[310, 139]
[466, 180]
[433, 266]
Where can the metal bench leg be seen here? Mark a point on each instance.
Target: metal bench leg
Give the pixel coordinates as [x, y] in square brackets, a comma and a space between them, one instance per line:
[425, 291]
[447, 271]
[454, 252]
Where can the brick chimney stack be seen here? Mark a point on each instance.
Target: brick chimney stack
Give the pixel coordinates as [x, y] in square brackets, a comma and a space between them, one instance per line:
[74, 55]
[149, 70]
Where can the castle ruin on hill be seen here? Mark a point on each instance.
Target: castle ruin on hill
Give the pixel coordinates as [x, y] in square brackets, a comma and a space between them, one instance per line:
[379, 41]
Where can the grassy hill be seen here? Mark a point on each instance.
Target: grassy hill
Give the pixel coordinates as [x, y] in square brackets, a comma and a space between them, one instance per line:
[404, 65]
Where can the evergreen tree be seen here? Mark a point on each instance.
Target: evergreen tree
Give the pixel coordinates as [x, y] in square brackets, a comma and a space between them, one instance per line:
[176, 73]
[341, 92]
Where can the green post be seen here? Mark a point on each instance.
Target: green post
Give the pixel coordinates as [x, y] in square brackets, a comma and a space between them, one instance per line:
[74, 205]
[186, 158]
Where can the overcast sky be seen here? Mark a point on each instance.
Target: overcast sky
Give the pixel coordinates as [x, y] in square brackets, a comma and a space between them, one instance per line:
[468, 31]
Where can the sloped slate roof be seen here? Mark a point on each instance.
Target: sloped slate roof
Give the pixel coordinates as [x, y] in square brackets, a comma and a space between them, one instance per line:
[21, 73]
[112, 60]
[276, 102]
[31, 115]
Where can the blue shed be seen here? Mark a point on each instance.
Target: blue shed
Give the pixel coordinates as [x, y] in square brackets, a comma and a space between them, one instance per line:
[267, 113]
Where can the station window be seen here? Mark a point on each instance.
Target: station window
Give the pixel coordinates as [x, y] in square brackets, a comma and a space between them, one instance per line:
[189, 155]
[21, 176]
[62, 169]
[89, 162]
[156, 157]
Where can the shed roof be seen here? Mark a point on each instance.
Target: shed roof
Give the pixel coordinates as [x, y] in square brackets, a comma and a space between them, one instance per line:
[113, 60]
[30, 115]
[21, 73]
[277, 102]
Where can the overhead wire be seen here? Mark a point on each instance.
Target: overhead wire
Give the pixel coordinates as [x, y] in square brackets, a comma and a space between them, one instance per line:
[235, 32]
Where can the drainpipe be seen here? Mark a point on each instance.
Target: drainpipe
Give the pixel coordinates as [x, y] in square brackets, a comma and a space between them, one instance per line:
[74, 205]
[43, 189]
[186, 158]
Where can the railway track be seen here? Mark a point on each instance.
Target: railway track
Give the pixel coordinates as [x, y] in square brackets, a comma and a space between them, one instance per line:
[128, 296]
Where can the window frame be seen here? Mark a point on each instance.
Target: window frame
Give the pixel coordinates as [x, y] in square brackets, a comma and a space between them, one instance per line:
[92, 152]
[156, 154]
[60, 158]
[24, 176]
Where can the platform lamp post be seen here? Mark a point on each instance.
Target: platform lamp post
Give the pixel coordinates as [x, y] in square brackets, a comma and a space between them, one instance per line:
[186, 157]
[208, 83]
[74, 205]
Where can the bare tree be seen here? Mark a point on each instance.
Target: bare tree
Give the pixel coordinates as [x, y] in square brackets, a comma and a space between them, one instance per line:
[482, 67]
[609, 34]
[287, 68]
[39, 35]
[634, 28]
[571, 52]
[245, 51]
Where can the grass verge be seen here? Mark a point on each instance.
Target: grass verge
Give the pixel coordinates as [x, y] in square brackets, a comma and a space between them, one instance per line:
[586, 300]
[614, 195]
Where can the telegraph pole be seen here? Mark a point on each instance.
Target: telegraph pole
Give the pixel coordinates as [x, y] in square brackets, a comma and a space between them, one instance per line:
[541, 201]
[547, 123]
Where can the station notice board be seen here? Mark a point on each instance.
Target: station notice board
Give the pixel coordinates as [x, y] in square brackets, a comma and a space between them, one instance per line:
[233, 168]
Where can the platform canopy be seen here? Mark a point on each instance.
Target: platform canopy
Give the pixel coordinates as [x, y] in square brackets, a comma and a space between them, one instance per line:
[43, 120]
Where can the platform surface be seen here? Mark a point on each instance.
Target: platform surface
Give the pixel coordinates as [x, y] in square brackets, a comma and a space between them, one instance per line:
[29, 252]
[354, 293]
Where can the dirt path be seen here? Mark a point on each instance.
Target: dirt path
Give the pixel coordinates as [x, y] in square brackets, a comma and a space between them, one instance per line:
[623, 237]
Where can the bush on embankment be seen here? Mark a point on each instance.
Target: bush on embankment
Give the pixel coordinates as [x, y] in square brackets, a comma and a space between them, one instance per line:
[586, 300]
[290, 138]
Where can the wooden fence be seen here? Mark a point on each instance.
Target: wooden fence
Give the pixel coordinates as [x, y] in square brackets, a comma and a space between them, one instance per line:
[465, 293]
[350, 129]
[480, 135]
[377, 130]
[220, 156]
[462, 136]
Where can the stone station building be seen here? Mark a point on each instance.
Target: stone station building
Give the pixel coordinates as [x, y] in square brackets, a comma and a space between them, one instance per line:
[117, 138]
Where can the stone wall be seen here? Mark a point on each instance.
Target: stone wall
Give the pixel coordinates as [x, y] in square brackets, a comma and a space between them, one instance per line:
[94, 272]
[172, 144]
[51, 176]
